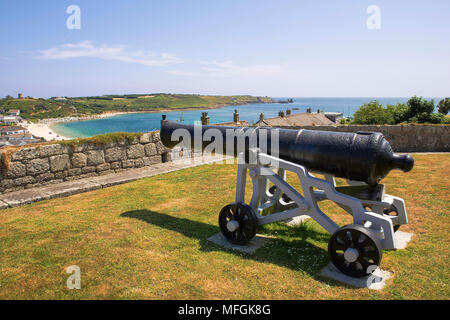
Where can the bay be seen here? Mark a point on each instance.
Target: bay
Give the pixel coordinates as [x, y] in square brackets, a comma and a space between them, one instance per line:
[144, 122]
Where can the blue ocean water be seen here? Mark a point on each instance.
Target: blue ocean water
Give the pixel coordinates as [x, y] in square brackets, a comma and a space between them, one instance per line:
[143, 122]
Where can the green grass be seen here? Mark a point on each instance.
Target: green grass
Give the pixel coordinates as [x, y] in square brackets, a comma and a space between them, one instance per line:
[148, 240]
[102, 139]
[34, 109]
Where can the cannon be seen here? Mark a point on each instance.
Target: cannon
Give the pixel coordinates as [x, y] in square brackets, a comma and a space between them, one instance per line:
[363, 159]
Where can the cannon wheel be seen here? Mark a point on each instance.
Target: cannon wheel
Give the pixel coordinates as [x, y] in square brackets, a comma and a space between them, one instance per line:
[284, 196]
[238, 223]
[353, 249]
[392, 211]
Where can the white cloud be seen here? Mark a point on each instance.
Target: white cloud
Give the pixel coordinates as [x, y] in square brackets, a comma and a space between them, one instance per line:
[212, 68]
[224, 69]
[182, 73]
[105, 52]
[228, 68]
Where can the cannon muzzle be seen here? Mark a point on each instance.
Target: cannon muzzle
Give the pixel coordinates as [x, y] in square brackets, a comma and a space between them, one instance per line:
[403, 162]
[361, 156]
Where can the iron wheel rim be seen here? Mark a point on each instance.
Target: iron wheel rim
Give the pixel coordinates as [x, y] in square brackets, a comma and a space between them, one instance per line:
[246, 218]
[359, 238]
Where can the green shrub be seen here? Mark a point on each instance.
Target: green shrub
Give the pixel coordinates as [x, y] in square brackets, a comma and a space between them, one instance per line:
[399, 112]
[420, 108]
[416, 110]
[345, 121]
[435, 118]
[373, 113]
[444, 106]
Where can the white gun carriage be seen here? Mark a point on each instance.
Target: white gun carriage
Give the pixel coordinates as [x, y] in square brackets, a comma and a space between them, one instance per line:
[362, 158]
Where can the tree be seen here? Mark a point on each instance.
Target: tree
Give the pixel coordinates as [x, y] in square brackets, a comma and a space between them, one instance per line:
[444, 106]
[419, 108]
[399, 112]
[373, 113]
[416, 110]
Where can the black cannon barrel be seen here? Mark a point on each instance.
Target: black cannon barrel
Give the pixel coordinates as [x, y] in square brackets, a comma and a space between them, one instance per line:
[361, 156]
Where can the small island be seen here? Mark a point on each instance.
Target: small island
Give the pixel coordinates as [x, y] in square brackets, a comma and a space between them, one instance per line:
[290, 100]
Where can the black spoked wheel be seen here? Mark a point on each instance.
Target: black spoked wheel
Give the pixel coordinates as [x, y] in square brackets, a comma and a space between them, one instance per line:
[353, 249]
[284, 196]
[392, 211]
[238, 223]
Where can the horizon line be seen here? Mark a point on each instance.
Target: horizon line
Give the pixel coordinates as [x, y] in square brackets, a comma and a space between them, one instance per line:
[230, 95]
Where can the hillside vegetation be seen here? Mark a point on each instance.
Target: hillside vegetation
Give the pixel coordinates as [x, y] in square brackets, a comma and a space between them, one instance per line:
[415, 110]
[34, 109]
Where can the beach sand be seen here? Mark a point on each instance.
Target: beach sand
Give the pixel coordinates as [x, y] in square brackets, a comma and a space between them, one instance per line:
[43, 131]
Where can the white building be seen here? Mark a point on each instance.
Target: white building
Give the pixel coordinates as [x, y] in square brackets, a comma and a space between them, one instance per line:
[334, 116]
[9, 119]
[14, 112]
[13, 130]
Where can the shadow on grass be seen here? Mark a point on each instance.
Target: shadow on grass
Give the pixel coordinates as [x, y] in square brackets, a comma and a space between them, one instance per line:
[296, 254]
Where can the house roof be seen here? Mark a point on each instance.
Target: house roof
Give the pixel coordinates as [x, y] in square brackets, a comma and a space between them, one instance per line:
[233, 124]
[19, 135]
[333, 113]
[298, 119]
[12, 128]
[14, 110]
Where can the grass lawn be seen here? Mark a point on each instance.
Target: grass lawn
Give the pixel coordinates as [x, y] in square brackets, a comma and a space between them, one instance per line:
[147, 240]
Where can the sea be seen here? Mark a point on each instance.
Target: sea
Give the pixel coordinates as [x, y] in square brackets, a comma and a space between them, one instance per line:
[144, 122]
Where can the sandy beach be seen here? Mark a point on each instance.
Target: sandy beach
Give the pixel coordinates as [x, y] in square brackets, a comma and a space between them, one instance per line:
[43, 128]
[43, 131]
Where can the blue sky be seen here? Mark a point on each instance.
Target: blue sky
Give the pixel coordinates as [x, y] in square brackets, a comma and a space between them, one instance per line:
[276, 48]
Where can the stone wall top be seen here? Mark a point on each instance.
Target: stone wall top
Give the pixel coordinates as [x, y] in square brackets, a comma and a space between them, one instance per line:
[403, 138]
[37, 165]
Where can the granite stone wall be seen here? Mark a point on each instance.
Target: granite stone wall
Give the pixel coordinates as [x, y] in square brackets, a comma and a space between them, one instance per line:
[402, 138]
[52, 163]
